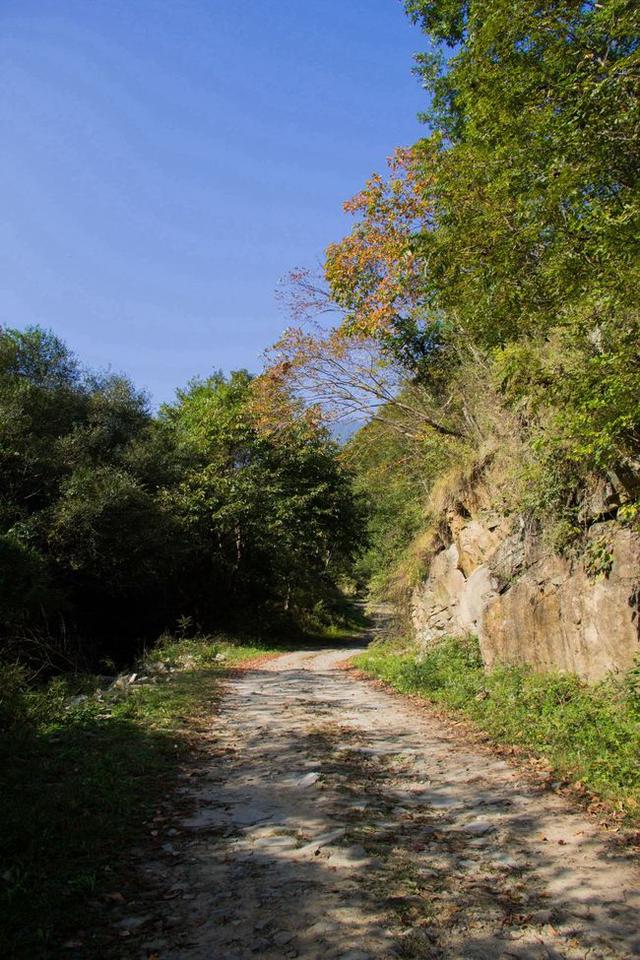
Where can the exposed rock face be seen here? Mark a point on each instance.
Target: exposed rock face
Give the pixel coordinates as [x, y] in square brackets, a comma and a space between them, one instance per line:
[528, 605]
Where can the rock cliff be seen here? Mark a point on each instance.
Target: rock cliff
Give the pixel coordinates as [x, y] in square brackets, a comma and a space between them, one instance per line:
[493, 577]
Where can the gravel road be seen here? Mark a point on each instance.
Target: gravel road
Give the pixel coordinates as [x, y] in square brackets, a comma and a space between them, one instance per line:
[337, 820]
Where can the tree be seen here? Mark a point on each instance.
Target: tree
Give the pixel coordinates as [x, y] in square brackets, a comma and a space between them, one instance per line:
[341, 377]
[498, 263]
[536, 116]
[271, 517]
[536, 245]
[87, 548]
[388, 340]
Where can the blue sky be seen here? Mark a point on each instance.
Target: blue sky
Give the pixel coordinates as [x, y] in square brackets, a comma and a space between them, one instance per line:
[165, 162]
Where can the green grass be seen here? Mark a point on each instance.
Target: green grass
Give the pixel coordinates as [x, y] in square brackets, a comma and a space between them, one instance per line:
[589, 734]
[78, 782]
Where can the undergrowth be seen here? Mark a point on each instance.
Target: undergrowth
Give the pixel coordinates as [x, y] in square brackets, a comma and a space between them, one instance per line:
[80, 774]
[589, 734]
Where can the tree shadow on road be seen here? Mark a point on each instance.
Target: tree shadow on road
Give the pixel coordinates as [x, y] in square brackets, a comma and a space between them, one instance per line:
[374, 854]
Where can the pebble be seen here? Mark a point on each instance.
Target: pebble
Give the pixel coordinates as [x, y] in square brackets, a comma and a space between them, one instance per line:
[130, 923]
[275, 843]
[321, 841]
[350, 859]
[152, 946]
[307, 780]
[282, 938]
[440, 801]
[479, 827]
[321, 928]
[504, 860]
[542, 917]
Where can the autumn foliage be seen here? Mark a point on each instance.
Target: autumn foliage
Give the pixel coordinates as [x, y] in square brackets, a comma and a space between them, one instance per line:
[375, 273]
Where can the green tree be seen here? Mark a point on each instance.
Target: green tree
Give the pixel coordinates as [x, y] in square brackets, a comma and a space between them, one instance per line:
[535, 250]
[87, 547]
[271, 518]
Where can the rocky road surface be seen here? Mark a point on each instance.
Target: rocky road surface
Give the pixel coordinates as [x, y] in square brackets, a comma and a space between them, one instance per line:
[336, 820]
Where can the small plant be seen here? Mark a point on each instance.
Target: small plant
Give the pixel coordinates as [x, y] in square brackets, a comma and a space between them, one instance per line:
[629, 513]
[633, 684]
[562, 535]
[598, 559]
[13, 689]
[184, 626]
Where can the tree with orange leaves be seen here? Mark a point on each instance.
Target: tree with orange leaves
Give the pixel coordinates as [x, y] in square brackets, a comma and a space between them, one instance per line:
[368, 363]
[375, 274]
[321, 375]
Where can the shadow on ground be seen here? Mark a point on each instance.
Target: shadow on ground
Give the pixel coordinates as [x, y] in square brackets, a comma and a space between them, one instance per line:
[334, 822]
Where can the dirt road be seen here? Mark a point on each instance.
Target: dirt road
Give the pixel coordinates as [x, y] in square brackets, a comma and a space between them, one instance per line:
[338, 821]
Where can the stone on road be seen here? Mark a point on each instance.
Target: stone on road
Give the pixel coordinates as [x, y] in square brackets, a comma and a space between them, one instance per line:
[337, 820]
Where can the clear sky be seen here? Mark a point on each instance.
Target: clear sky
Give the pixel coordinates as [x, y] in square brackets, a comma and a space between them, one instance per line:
[165, 162]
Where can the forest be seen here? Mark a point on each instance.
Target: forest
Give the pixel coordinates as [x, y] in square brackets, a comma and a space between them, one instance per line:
[117, 524]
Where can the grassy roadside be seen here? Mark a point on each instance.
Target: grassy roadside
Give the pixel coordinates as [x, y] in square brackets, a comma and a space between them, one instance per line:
[588, 734]
[80, 774]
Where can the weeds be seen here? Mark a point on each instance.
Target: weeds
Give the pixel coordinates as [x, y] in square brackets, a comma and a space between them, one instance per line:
[81, 773]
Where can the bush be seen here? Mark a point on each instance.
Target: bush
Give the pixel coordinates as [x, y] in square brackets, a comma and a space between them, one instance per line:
[14, 711]
[24, 586]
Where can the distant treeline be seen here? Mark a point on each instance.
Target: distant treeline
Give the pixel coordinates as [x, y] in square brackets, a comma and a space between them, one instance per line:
[115, 524]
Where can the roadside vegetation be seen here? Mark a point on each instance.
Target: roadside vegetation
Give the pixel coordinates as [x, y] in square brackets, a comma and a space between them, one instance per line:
[85, 763]
[589, 734]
